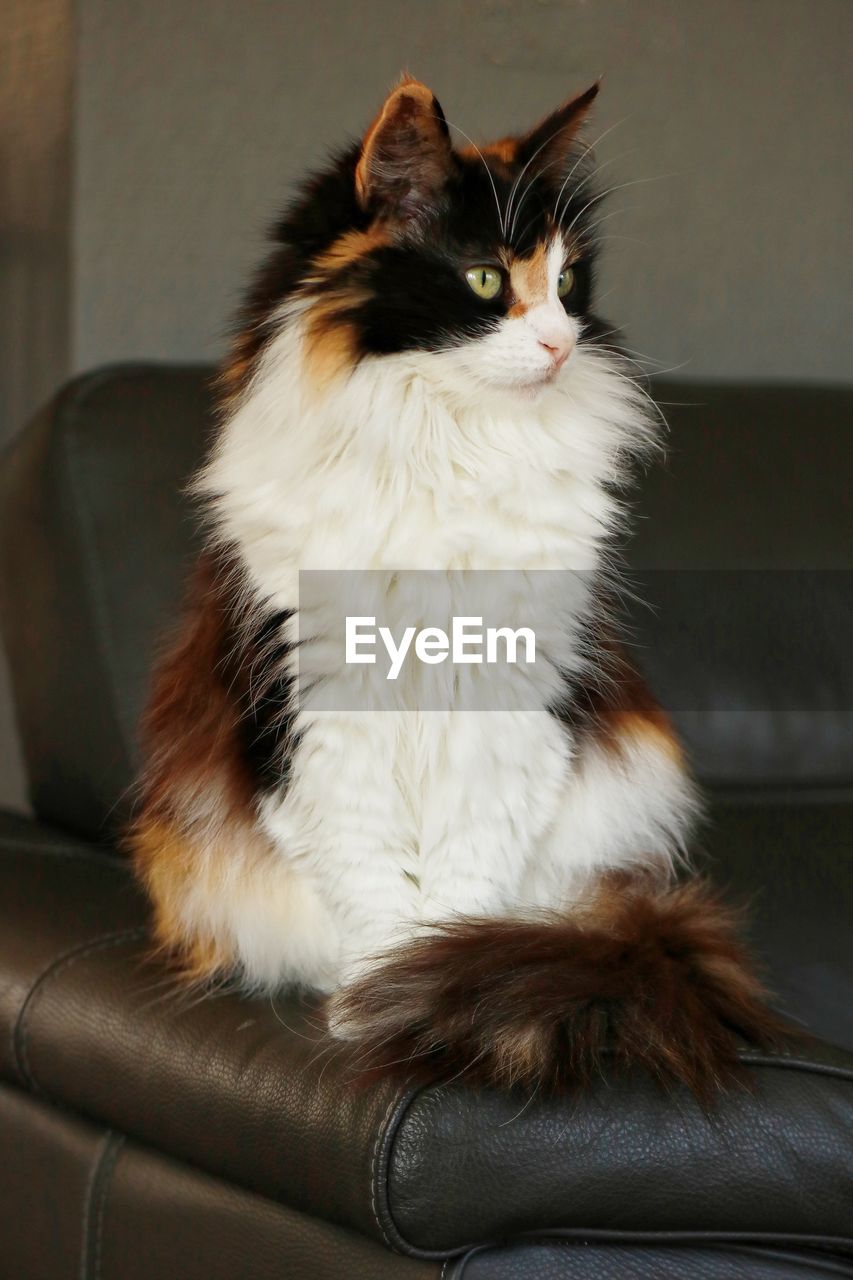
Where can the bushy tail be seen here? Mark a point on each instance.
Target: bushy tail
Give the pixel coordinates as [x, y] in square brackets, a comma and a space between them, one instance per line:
[638, 976]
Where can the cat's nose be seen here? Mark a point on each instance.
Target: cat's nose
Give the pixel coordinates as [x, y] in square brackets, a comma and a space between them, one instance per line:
[554, 332]
[559, 349]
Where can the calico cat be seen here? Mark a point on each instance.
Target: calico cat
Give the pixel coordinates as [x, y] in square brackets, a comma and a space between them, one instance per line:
[420, 383]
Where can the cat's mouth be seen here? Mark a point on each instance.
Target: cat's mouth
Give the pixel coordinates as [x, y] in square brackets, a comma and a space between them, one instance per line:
[535, 382]
[558, 359]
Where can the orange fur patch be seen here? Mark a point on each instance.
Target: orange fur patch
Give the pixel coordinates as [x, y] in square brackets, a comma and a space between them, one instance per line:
[614, 706]
[190, 874]
[501, 154]
[529, 280]
[173, 865]
[330, 342]
[331, 347]
[652, 726]
[347, 249]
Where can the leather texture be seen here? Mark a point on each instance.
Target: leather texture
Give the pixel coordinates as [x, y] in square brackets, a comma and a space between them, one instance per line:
[59, 894]
[744, 539]
[78, 1200]
[588, 1259]
[521, 1165]
[165, 1219]
[251, 1092]
[94, 544]
[45, 1176]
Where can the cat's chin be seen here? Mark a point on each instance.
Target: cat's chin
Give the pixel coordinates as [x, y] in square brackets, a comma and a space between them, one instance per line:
[533, 389]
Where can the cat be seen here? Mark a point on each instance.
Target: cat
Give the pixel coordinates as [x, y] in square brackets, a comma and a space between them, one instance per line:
[419, 384]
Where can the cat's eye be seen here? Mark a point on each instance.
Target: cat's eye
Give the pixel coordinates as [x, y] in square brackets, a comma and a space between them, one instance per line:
[486, 282]
[565, 282]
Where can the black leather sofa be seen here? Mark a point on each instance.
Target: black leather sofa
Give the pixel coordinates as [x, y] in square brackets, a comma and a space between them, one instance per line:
[147, 1135]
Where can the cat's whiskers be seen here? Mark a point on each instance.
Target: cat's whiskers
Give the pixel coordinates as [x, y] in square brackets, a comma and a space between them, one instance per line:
[602, 352]
[524, 195]
[608, 333]
[529, 186]
[625, 208]
[592, 176]
[515, 185]
[501, 216]
[628, 239]
[596, 199]
[595, 173]
[531, 220]
[294, 1031]
[580, 161]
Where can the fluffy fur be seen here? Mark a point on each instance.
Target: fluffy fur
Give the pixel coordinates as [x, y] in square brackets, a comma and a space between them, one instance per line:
[636, 976]
[378, 414]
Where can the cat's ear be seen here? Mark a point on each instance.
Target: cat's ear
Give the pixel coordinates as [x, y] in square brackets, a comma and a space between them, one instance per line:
[548, 146]
[406, 157]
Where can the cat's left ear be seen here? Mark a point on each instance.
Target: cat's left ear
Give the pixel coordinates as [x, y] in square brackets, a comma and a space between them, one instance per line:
[548, 146]
[406, 157]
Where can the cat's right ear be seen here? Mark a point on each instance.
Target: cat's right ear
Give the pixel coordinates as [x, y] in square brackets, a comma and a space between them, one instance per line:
[406, 157]
[550, 144]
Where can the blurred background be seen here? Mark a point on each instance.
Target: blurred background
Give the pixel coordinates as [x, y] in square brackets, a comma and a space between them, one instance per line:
[145, 147]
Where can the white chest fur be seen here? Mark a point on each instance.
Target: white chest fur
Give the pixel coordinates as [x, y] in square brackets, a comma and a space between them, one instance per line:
[413, 814]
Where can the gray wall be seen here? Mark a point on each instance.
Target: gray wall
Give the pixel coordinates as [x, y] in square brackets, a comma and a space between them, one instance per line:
[36, 56]
[144, 146]
[194, 117]
[35, 167]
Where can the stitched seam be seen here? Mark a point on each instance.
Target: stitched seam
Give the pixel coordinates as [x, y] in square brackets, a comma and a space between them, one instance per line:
[782, 1063]
[19, 1031]
[402, 1245]
[459, 1262]
[398, 1242]
[374, 1168]
[88, 1196]
[107, 1167]
[103, 1147]
[835, 1246]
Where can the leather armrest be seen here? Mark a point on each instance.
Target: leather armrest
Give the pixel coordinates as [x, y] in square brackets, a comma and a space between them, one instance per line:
[253, 1092]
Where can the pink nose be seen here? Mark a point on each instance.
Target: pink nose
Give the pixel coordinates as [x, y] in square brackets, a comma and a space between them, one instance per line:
[559, 349]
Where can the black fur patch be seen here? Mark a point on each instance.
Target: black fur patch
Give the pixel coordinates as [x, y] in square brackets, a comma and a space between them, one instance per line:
[266, 691]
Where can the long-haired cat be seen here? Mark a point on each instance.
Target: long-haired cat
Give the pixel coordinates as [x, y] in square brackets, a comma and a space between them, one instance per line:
[420, 383]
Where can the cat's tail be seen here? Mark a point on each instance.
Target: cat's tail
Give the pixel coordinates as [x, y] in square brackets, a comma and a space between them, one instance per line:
[637, 976]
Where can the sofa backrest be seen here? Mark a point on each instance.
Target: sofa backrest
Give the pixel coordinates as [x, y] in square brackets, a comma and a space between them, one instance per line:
[96, 536]
[745, 539]
[744, 545]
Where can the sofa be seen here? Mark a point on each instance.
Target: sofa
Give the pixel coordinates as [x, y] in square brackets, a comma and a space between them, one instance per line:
[150, 1133]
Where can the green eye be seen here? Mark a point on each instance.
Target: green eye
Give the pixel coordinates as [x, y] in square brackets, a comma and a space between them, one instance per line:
[565, 281]
[486, 282]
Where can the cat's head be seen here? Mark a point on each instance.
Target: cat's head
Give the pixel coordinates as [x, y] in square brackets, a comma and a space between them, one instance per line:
[480, 257]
